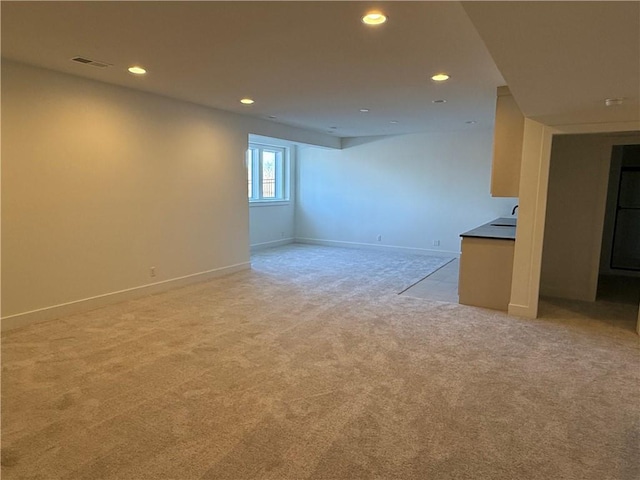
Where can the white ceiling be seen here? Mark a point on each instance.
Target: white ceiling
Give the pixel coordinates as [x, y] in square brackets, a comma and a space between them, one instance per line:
[314, 64]
[561, 60]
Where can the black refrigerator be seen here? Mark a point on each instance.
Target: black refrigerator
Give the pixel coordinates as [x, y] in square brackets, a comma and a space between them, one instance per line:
[625, 254]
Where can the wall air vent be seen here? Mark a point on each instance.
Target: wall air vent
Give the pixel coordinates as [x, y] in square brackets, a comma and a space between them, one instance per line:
[88, 61]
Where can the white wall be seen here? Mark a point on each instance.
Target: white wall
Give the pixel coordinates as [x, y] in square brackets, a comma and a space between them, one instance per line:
[100, 183]
[527, 255]
[410, 189]
[577, 194]
[271, 226]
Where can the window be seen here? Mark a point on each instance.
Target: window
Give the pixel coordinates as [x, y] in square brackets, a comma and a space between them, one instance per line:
[267, 173]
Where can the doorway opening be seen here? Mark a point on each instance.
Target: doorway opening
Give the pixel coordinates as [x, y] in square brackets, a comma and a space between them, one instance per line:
[588, 262]
[619, 276]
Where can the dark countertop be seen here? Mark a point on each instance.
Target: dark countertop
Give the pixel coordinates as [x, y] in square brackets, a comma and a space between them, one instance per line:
[491, 230]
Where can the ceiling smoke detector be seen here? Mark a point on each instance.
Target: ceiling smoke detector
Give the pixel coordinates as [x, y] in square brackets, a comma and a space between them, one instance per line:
[88, 61]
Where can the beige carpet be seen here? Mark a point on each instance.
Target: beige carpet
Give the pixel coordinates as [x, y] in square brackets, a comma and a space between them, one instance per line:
[299, 370]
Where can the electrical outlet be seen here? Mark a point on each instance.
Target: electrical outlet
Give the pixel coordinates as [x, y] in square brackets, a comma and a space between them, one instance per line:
[152, 272]
[436, 243]
[379, 238]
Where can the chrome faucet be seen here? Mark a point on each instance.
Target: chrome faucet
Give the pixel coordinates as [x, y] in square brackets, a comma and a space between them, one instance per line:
[513, 212]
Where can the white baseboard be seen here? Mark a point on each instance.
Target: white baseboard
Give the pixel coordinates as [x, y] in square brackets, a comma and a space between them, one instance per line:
[55, 311]
[567, 293]
[274, 243]
[523, 310]
[373, 246]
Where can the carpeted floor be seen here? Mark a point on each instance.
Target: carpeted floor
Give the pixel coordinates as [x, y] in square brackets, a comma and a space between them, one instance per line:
[310, 366]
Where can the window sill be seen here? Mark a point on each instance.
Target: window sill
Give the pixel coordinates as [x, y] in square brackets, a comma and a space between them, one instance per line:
[269, 203]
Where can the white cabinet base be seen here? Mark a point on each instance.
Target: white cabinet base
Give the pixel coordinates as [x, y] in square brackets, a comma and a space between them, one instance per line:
[486, 268]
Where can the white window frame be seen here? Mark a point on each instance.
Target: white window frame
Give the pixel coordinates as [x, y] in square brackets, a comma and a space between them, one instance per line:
[254, 164]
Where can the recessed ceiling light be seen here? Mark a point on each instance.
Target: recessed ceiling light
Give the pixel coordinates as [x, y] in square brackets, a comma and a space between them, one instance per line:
[272, 117]
[393, 122]
[610, 102]
[440, 77]
[439, 101]
[247, 101]
[374, 18]
[333, 128]
[137, 70]
[470, 122]
[364, 110]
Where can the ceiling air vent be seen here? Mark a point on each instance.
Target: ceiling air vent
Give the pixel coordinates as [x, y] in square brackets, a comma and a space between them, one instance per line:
[88, 61]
